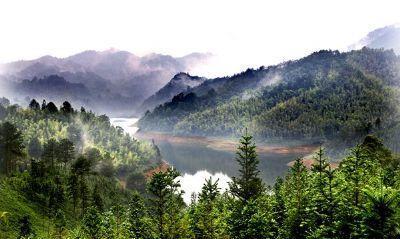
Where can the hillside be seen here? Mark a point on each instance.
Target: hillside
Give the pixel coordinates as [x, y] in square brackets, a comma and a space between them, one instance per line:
[181, 82]
[325, 95]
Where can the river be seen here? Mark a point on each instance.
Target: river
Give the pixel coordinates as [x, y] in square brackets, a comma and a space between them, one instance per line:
[199, 158]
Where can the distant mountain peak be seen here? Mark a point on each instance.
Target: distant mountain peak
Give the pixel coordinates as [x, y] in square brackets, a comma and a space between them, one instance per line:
[181, 82]
[387, 37]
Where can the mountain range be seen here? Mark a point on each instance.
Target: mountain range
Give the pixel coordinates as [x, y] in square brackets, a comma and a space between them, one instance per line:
[114, 82]
[387, 37]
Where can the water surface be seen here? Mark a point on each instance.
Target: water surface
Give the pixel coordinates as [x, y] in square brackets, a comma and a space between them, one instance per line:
[198, 158]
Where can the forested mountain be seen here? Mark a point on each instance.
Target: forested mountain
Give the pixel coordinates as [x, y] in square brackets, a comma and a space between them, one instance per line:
[327, 94]
[181, 82]
[112, 74]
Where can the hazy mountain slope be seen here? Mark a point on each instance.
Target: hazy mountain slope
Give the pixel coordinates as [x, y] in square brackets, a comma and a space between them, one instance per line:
[327, 94]
[387, 37]
[109, 74]
[181, 82]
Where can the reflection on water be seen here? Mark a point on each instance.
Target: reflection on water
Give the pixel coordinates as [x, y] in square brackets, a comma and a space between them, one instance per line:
[198, 161]
[189, 158]
[192, 183]
[127, 124]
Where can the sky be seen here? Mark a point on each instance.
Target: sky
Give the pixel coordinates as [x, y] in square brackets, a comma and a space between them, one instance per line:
[240, 34]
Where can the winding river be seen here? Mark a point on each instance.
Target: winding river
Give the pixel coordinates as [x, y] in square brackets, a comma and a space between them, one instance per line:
[199, 158]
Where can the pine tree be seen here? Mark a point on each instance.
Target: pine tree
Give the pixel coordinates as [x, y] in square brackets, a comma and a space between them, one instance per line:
[323, 200]
[166, 202]
[297, 200]
[97, 198]
[92, 223]
[11, 146]
[248, 185]
[204, 215]
[65, 152]
[34, 105]
[138, 225]
[35, 148]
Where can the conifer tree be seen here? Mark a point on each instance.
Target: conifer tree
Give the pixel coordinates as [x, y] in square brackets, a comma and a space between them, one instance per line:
[248, 185]
[138, 224]
[11, 146]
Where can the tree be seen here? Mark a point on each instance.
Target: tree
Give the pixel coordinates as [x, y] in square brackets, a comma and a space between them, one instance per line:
[11, 146]
[65, 152]
[209, 191]
[380, 213]
[297, 201]
[80, 169]
[3, 112]
[166, 202]
[49, 156]
[4, 102]
[204, 215]
[34, 105]
[66, 108]
[44, 105]
[323, 200]
[248, 185]
[56, 197]
[138, 224]
[51, 108]
[92, 223]
[97, 198]
[35, 148]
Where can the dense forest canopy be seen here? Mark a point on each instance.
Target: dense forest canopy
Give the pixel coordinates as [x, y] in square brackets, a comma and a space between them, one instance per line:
[41, 125]
[326, 95]
[56, 196]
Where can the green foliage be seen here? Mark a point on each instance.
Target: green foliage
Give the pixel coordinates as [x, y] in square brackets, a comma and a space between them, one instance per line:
[248, 185]
[329, 95]
[67, 192]
[11, 147]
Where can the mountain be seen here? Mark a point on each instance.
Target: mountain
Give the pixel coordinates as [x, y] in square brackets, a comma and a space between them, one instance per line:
[181, 82]
[108, 74]
[326, 95]
[386, 37]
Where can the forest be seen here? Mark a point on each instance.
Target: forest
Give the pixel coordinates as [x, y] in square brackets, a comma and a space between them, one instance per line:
[327, 95]
[70, 174]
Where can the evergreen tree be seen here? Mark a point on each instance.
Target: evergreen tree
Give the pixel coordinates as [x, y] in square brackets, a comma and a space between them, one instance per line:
[323, 199]
[248, 185]
[35, 148]
[51, 108]
[97, 198]
[11, 147]
[34, 105]
[204, 215]
[66, 108]
[65, 152]
[92, 223]
[138, 224]
[166, 202]
[297, 199]
[380, 220]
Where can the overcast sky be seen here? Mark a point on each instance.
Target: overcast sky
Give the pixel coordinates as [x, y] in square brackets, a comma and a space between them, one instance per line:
[240, 34]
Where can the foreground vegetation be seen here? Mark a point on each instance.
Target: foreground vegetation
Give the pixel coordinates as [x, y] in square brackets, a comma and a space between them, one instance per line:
[55, 193]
